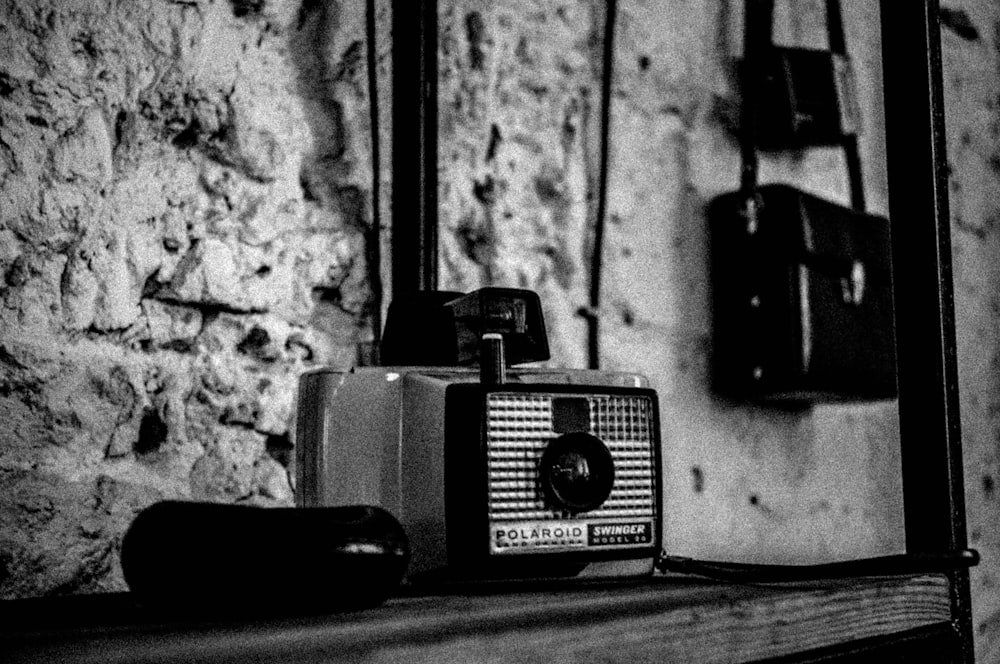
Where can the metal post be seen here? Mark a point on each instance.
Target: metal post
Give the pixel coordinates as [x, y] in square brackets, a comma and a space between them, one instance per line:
[414, 146]
[930, 431]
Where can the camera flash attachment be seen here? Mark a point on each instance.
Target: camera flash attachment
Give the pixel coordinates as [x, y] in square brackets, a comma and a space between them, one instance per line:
[444, 328]
[512, 313]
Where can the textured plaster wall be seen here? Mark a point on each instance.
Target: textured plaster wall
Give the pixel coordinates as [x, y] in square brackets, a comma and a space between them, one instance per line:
[520, 106]
[184, 205]
[971, 46]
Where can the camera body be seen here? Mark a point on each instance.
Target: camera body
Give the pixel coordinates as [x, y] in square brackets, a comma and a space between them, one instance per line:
[494, 472]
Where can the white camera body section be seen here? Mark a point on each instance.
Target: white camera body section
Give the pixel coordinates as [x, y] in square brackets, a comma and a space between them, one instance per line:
[499, 481]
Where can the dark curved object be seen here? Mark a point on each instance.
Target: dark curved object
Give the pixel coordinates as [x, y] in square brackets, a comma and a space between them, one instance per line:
[247, 559]
[939, 562]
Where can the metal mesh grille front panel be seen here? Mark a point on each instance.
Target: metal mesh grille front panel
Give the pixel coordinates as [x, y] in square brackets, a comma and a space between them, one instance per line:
[519, 426]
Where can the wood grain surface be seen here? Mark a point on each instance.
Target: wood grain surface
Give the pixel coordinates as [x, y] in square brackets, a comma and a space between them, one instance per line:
[661, 620]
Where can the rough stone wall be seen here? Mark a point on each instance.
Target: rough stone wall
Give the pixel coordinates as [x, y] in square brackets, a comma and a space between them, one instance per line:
[519, 107]
[184, 208]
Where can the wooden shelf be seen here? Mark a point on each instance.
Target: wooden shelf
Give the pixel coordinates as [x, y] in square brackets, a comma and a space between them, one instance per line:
[662, 619]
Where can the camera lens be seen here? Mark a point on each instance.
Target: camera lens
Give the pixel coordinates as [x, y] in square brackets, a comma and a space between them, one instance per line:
[577, 472]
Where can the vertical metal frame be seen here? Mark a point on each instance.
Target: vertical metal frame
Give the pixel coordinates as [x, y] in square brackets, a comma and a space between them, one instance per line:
[414, 146]
[930, 430]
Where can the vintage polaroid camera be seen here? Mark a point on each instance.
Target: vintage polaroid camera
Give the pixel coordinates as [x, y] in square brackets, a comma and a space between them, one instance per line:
[494, 471]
